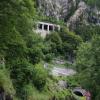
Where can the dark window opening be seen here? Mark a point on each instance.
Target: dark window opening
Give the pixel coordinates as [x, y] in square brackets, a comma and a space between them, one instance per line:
[50, 28]
[78, 93]
[40, 26]
[46, 27]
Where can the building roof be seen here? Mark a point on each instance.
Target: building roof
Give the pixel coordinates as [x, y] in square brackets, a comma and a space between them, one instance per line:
[48, 23]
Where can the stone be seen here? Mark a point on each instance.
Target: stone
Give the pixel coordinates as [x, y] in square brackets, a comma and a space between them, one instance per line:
[62, 84]
[58, 9]
[76, 17]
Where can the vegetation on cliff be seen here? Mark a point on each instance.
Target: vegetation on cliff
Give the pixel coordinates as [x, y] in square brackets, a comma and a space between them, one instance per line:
[22, 53]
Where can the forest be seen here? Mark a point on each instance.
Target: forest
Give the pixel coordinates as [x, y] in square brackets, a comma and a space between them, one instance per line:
[23, 54]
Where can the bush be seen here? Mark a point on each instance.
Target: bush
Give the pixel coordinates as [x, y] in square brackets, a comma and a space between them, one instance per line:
[70, 41]
[21, 73]
[6, 83]
[39, 76]
[55, 42]
[88, 64]
[48, 57]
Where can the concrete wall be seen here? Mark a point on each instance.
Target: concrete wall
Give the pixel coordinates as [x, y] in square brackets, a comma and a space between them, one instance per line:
[46, 28]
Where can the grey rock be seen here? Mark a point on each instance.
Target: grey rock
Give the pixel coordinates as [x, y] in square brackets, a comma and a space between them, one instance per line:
[58, 9]
[79, 15]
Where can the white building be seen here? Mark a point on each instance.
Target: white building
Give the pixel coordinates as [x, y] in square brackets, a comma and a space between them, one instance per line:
[44, 28]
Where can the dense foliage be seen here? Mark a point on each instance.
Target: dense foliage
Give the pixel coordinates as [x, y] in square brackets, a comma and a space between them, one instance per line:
[22, 53]
[87, 31]
[64, 43]
[19, 46]
[88, 63]
[23, 50]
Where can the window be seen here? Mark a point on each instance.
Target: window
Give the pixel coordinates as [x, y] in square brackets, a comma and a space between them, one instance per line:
[40, 26]
[46, 27]
[50, 28]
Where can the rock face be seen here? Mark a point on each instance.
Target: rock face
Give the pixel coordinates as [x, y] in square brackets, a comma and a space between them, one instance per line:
[73, 12]
[79, 15]
[94, 16]
[84, 14]
[58, 9]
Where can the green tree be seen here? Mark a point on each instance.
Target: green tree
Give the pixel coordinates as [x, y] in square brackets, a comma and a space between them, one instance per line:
[87, 31]
[35, 48]
[70, 41]
[55, 42]
[39, 76]
[16, 24]
[88, 63]
[16, 18]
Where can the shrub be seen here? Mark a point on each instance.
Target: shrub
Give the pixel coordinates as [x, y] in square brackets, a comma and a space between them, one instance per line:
[39, 77]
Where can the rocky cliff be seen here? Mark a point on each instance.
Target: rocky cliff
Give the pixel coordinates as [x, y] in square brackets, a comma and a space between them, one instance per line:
[59, 9]
[71, 11]
[80, 15]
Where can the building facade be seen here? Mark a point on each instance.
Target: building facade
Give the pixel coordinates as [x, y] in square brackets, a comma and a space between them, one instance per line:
[44, 28]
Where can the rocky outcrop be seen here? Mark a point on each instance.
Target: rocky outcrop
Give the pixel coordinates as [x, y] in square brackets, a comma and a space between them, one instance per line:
[79, 15]
[94, 16]
[73, 12]
[58, 9]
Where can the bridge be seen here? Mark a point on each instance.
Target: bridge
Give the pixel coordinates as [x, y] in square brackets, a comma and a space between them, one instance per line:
[44, 28]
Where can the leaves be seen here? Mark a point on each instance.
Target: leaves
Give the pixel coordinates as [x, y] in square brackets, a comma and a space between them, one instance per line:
[88, 64]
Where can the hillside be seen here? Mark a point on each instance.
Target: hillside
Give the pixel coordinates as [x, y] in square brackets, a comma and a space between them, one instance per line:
[63, 65]
[70, 11]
